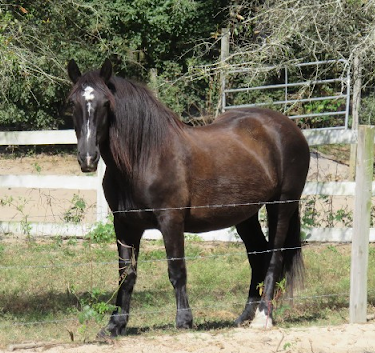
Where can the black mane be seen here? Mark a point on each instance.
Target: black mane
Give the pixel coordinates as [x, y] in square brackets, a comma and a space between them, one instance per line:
[140, 125]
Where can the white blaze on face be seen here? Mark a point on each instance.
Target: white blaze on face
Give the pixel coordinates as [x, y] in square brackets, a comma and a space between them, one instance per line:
[89, 96]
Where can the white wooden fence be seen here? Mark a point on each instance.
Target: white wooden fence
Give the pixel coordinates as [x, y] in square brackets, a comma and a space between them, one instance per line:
[72, 182]
[94, 182]
[363, 189]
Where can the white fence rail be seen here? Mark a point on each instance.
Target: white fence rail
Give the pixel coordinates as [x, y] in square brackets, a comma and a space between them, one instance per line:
[95, 183]
[72, 182]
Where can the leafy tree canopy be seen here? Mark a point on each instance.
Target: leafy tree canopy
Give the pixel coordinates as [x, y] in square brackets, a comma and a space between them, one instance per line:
[177, 38]
[38, 37]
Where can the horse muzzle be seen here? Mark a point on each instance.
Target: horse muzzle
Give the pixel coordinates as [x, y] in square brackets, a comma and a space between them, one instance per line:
[88, 163]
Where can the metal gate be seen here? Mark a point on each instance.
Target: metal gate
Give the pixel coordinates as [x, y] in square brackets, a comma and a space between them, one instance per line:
[295, 92]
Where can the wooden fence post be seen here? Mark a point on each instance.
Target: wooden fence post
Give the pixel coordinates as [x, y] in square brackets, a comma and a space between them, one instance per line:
[357, 86]
[361, 224]
[224, 53]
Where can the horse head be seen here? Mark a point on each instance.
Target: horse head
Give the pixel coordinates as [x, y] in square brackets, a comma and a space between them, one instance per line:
[91, 100]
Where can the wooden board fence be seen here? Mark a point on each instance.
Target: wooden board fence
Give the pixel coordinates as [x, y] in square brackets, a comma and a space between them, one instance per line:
[94, 182]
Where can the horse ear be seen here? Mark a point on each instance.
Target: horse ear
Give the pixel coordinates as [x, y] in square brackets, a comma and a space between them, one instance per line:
[73, 71]
[106, 70]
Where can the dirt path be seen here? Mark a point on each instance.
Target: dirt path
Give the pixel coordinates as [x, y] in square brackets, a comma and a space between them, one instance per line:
[337, 339]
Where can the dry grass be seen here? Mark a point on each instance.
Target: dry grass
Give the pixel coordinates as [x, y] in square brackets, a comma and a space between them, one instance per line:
[47, 287]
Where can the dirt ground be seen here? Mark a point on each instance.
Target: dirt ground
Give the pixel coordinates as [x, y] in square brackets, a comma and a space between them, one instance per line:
[335, 339]
[347, 338]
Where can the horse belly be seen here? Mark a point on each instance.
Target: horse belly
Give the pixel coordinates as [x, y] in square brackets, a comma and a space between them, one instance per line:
[219, 204]
[217, 217]
[225, 199]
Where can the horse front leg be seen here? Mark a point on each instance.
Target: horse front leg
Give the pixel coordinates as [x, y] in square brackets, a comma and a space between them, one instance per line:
[128, 241]
[173, 236]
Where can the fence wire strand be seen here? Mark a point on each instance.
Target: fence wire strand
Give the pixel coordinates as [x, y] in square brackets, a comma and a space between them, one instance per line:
[163, 311]
[188, 258]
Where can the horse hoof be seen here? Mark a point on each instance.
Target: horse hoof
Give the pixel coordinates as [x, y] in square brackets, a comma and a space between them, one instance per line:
[103, 334]
[240, 322]
[261, 321]
[246, 317]
[184, 319]
[184, 325]
[107, 333]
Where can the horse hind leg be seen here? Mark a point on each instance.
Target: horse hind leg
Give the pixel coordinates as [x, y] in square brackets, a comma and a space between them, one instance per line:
[256, 245]
[284, 232]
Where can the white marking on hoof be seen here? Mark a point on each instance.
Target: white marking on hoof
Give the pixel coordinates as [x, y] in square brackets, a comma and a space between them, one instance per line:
[261, 321]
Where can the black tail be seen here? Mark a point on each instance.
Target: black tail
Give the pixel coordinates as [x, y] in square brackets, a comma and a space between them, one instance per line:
[293, 266]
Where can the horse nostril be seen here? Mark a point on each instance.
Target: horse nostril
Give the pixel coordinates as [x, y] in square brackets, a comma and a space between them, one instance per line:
[96, 157]
[80, 158]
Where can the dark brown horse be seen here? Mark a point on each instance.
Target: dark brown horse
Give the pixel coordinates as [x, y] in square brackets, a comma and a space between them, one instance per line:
[177, 174]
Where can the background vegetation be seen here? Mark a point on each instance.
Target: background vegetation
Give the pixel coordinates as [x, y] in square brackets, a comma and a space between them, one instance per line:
[38, 37]
[179, 39]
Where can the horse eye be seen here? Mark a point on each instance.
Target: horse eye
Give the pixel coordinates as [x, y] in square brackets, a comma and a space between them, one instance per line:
[106, 104]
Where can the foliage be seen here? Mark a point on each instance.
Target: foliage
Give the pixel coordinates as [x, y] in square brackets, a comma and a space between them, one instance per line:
[19, 204]
[103, 233]
[279, 34]
[179, 39]
[276, 32]
[92, 305]
[319, 211]
[38, 38]
[46, 288]
[76, 212]
[367, 113]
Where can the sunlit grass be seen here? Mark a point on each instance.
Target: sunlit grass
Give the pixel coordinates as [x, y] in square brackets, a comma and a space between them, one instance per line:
[46, 288]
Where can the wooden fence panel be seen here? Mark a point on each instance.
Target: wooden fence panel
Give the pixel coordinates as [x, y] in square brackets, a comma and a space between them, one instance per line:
[314, 138]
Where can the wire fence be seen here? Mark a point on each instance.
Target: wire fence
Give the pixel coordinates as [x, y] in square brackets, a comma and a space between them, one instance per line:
[43, 207]
[61, 273]
[114, 263]
[316, 210]
[76, 214]
[186, 258]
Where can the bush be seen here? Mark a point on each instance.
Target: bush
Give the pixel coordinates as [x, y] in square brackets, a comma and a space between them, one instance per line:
[102, 233]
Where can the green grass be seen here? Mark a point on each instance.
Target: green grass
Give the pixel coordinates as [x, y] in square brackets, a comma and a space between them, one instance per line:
[58, 288]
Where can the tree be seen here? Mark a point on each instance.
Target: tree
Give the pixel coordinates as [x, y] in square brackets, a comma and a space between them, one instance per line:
[38, 37]
[34, 41]
[281, 33]
[271, 31]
